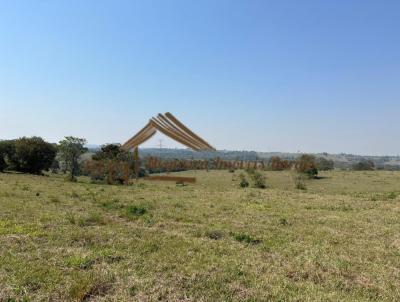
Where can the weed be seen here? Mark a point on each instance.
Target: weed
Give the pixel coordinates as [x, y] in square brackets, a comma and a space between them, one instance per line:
[80, 262]
[245, 238]
[299, 181]
[89, 286]
[111, 204]
[71, 218]
[214, 234]
[283, 221]
[92, 219]
[136, 211]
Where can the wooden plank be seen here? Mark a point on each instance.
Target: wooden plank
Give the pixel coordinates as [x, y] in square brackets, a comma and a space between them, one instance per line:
[172, 178]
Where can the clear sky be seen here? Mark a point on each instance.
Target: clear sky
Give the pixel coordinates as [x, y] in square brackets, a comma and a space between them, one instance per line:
[309, 76]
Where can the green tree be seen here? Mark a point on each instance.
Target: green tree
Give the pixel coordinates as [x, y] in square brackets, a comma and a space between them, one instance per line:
[30, 154]
[7, 151]
[70, 149]
[111, 151]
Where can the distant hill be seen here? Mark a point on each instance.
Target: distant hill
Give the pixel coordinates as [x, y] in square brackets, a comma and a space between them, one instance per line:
[341, 160]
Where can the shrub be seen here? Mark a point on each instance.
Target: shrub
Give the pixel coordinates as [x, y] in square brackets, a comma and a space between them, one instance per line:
[240, 237]
[258, 180]
[29, 154]
[243, 181]
[111, 170]
[136, 211]
[117, 172]
[306, 164]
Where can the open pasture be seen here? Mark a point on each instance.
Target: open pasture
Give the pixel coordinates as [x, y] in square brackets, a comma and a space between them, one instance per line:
[208, 241]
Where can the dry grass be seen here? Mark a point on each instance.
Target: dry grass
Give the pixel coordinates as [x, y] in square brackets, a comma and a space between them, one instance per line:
[337, 240]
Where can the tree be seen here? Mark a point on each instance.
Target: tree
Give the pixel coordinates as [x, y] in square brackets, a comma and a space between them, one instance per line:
[324, 164]
[7, 151]
[30, 154]
[306, 164]
[364, 165]
[3, 163]
[111, 151]
[71, 148]
[55, 166]
[4, 145]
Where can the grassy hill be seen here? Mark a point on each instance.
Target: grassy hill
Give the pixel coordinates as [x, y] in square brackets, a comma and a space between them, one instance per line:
[211, 241]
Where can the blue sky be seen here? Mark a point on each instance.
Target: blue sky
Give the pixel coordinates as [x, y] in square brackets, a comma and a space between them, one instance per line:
[309, 76]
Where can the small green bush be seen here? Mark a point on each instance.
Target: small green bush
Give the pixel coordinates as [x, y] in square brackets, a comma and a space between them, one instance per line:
[136, 211]
[243, 181]
[245, 238]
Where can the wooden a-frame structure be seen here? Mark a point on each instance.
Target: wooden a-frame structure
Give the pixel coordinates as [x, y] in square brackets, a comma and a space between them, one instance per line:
[171, 127]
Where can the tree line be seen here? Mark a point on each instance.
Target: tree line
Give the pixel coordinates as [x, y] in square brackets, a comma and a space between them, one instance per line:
[34, 155]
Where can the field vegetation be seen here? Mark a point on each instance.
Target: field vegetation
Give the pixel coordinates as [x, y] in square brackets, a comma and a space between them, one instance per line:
[336, 240]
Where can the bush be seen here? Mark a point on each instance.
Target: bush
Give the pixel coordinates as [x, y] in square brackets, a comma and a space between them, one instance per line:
[243, 181]
[111, 170]
[29, 155]
[364, 165]
[245, 238]
[258, 180]
[135, 211]
[306, 164]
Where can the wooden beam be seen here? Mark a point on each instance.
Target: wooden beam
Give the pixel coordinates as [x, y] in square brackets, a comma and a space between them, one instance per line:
[186, 129]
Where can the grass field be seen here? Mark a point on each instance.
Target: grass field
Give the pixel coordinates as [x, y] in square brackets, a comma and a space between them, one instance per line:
[339, 240]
